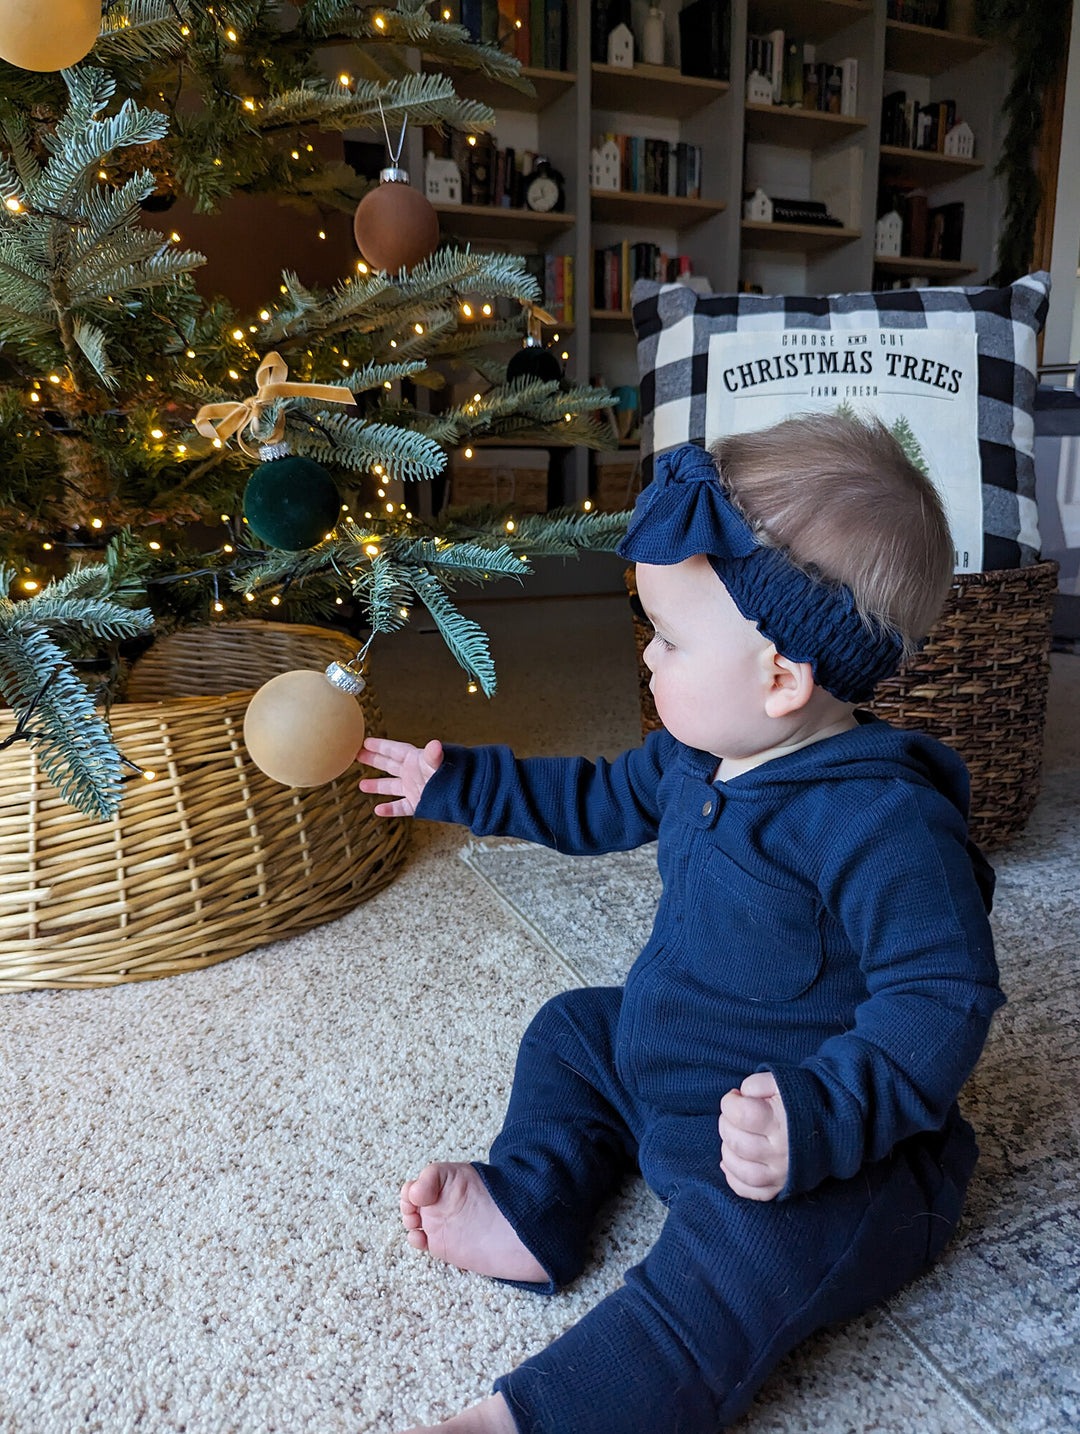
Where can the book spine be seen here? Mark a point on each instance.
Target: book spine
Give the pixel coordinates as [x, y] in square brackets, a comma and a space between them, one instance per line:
[523, 28]
[568, 288]
[776, 63]
[849, 89]
[472, 17]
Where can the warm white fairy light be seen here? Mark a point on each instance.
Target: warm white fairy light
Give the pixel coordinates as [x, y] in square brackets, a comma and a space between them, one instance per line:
[233, 373]
[372, 550]
[148, 775]
[249, 104]
[238, 334]
[249, 597]
[419, 328]
[101, 174]
[47, 547]
[387, 384]
[361, 267]
[295, 155]
[322, 233]
[13, 204]
[510, 525]
[157, 433]
[381, 493]
[339, 601]
[275, 601]
[566, 355]
[588, 505]
[472, 687]
[380, 23]
[468, 453]
[393, 343]
[466, 309]
[219, 607]
[191, 353]
[35, 397]
[95, 522]
[487, 310]
[232, 35]
[228, 548]
[154, 546]
[54, 378]
[30, 585]
[472, 139]
[345, 79]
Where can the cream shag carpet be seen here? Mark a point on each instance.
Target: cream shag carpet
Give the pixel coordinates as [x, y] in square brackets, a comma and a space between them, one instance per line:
[199, 1176]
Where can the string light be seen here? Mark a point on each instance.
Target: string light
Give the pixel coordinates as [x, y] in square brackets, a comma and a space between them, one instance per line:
[468, 453]
[54, 378]
[95, 522]
[404, 611]
[389, 507]
[588, 505]
[228, 548]
[181, 448]
[249, 104]
[47, 547]
[381, 493]
[380, 23]
[219, 607]
[30, 585]
[191, 353]
[101, 174]
[232, 35]
[487, 309]
[345, 79]
[148, 775]
[264, 314]
[233, 373]
[372, 550]
[419, 328]
[466, 310]
[216, 443]
[322, 233]
[510, 525]
[339, 601]
[275, 601]
[249, 597]
[35, 398]
[362, 267]
[157, 433]
[238, 333]
[471, 687]
[13, 204]
[472, 139]
[295, 155]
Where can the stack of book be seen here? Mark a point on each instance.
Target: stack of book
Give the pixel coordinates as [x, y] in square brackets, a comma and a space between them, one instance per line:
[929, 232]
[911, 125]
[655, 166]
[535, 31]
[619, 266]
[919, 12]
[797, 78]
[558, 286]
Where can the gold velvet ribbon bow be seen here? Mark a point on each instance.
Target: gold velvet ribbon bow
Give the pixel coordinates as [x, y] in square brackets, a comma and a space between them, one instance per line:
[222, 420]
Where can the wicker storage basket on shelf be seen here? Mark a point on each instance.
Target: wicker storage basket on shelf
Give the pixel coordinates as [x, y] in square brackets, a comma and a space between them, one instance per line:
[207, 861]
[979, 685]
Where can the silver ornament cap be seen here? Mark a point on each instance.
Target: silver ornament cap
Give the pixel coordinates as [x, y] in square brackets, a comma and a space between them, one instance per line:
[393, 175]
[348, 676]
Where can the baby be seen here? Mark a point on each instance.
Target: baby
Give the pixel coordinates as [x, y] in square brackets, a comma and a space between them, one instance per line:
[783, 1061]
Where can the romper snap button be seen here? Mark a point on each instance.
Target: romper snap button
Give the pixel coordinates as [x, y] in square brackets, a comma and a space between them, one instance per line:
[707, 809]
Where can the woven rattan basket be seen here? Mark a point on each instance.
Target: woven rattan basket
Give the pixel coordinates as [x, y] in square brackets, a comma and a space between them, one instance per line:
[979, 685]
[207, 861]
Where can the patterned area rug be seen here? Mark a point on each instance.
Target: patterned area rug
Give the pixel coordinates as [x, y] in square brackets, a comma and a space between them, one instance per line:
[998, 1321]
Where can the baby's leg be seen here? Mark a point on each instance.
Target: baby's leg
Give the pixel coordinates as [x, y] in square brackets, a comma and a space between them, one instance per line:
[729, 1288]
[564, 1148]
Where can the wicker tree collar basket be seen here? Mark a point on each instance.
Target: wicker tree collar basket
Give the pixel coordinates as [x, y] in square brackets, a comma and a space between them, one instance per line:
[211, 858]
[979, 685]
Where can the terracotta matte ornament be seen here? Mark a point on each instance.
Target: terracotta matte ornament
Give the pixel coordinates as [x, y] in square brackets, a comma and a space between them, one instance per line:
[301, 730]
[395, 226]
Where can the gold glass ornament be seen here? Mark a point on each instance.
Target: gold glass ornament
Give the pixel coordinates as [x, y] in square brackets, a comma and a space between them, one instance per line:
[305, 728]
[47, 35]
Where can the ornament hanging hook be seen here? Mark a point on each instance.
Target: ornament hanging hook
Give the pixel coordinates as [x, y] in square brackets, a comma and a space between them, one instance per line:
[395, 155]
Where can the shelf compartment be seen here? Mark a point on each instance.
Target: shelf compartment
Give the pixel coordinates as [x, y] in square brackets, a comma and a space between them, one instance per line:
[612, 318]
[656, 211]
[798, 128]
[798, 238]
[492, 221]
[549, 85]
[921, 50]
[923, 268]
[652, 90]
[924, 166]
[809, 19]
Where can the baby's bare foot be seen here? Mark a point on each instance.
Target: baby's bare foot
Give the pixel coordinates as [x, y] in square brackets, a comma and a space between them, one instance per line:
[448, 1212]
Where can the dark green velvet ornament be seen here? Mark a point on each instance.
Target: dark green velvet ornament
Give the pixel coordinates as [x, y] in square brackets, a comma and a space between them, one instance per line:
[291, 502]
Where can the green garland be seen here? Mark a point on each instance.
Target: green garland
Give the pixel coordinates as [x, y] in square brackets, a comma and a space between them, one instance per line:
[1037, 32]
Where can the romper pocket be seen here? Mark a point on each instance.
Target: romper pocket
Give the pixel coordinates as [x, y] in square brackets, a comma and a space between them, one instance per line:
[760, 942]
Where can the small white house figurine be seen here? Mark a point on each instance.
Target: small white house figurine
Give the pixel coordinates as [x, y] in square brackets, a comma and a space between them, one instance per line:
[620, 47]
[758, 207]
[960, 141]
[758, 88]
[604, 166]
[887, 235]
[442, 180]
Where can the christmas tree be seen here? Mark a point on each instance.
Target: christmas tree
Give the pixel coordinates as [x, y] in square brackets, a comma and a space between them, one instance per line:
[136, 414]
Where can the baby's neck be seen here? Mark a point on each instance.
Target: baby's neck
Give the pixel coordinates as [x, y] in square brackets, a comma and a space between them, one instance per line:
[734, 766]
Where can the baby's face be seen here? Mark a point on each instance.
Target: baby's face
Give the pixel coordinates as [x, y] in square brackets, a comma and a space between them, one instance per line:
[711, 669]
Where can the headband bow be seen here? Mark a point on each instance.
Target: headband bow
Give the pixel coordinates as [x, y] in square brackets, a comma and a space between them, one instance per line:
[685, 511]
[222, 420]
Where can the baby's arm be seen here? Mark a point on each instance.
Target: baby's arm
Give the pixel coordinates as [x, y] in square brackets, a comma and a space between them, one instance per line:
[899, 879]
[409, 768]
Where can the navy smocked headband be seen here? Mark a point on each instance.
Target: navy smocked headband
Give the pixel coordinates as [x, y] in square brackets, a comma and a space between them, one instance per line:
[686, 511]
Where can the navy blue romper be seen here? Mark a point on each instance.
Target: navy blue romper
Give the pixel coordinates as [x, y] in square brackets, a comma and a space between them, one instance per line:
[823, 917]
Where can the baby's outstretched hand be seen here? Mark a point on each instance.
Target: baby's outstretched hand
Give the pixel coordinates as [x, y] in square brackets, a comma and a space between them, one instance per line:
[410, 770]
[754, 1138]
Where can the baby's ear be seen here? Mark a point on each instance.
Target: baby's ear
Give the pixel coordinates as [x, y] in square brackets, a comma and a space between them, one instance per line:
[791, 685]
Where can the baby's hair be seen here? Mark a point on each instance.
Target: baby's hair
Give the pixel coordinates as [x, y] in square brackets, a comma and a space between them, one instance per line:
[841, 497]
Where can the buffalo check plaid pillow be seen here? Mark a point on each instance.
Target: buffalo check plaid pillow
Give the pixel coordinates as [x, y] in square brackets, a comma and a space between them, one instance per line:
[675, 325]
